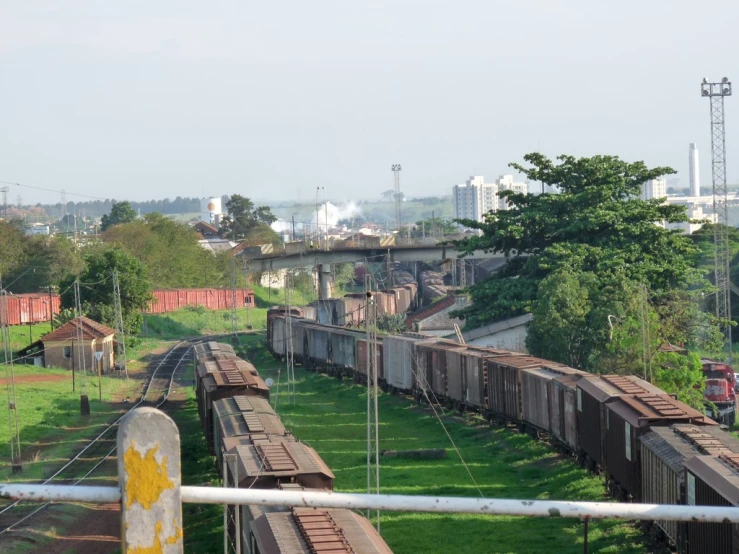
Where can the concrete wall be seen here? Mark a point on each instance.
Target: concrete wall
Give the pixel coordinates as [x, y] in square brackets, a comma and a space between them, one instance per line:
[54, 354]
[508, 339]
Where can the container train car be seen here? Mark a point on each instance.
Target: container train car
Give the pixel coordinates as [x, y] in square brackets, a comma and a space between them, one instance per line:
[26, 309]
[253, 449]
[169, 300]
[605, 421]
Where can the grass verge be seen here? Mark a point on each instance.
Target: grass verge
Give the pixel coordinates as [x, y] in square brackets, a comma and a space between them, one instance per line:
[331, 416]
[192, 321]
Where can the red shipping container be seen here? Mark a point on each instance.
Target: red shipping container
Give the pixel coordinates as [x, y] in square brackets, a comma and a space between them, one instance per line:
[25, 309]
[169, 300]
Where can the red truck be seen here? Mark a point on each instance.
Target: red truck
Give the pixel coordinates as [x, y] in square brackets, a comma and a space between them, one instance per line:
[720, 383]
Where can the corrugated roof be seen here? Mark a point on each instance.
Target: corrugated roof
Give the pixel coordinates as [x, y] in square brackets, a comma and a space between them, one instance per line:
[602, 387]
[721, 476]
[319, 531]
[641, 409]
[88, 328]
[441, 305]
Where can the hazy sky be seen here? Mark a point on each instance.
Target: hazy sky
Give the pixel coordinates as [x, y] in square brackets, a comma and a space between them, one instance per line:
[149, 99]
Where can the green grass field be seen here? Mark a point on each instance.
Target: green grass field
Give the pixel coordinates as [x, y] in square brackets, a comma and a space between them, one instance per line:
[51, 427]
[331, 415]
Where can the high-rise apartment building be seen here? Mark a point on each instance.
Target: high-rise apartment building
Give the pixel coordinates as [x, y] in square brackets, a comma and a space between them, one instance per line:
[654, 188]
[475, 198]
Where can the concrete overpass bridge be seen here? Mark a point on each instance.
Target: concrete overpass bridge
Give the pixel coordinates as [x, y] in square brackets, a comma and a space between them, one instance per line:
[314, 257]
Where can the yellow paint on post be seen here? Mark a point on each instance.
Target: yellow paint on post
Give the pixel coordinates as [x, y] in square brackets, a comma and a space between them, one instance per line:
[157, 548]
[147, 478]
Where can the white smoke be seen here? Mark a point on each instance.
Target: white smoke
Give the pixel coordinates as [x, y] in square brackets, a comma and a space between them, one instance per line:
[335, 214]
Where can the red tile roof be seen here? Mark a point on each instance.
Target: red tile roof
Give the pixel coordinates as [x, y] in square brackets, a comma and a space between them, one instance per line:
[441, 305]
[90, 330]
[206, 227]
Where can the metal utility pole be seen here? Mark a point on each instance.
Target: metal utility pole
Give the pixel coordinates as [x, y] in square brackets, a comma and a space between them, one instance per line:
[118, 315]
[373, 418]
[64, 203]
[722, 253]
[234, 315]
[5, 189]
[14, 435]
[395, 168]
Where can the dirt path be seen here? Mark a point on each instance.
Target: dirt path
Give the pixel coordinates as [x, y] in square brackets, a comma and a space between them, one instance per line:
[98, 531]
[41, 377]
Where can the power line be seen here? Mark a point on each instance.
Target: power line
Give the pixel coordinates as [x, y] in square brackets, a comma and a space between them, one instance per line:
[60, 191]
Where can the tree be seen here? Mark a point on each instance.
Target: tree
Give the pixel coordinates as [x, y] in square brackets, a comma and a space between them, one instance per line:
[683, 376]
[96, 288]
[47, 261]
[12, 247]
[597, 223]
[243, 217]
[169, 250]
[121, 212]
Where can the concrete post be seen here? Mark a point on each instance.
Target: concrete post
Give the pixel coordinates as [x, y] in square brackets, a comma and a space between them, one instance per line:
[324, 281]
[149, 479]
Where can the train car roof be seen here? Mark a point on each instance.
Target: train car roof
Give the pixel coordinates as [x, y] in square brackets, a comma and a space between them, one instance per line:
[309, 530]
[213, 349]
[676, 443]
[277, 457]
[229, 372]
[721, 473]
[641, 410]
[240, 416]
[603, 387]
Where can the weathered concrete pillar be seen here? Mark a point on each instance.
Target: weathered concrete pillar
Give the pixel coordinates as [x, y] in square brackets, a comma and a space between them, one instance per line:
[149, 478]
[324, 281]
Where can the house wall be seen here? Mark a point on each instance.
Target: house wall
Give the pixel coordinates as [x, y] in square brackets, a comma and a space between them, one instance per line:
[54, 354]
[513, 339]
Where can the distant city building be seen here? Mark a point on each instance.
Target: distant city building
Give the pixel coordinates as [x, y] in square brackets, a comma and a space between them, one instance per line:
[475, 198]
[694, 213]
[38, 230]
[654, 188]
[695, 180]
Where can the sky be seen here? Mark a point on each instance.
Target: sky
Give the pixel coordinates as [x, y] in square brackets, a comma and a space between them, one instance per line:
[142, 100]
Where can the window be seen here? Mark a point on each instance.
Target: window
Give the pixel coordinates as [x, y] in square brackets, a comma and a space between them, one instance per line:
[628, 439]
[67, 351]
[691, 489]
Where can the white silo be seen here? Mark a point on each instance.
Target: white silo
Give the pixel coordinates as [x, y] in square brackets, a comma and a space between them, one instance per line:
[695, 178]
[210, 210]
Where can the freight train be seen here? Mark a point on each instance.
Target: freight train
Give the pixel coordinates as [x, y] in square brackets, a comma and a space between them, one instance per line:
[649, 446]
[255, 450]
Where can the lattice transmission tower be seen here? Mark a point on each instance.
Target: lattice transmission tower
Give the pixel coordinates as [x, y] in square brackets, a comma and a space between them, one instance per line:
[373, 416]
[395, 168]
[716, 92]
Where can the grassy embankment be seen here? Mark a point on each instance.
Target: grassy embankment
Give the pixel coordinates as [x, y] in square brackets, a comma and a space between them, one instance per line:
[331, 416]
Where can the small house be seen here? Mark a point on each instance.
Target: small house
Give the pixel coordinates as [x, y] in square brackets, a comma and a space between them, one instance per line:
[80, 343]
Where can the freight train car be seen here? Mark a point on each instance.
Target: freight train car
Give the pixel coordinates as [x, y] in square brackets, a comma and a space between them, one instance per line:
[276, 530]
[664, 452]
[26, 309]
[169, 300]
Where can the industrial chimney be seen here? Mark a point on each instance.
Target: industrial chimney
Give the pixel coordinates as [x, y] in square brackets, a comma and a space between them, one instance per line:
[695, 179]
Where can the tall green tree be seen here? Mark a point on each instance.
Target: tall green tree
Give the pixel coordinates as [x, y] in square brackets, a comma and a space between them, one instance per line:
[96, 288]
[244, 217]
[169, 250]
[12, 247]
[597, 223]
[47, 261]
[121, 212]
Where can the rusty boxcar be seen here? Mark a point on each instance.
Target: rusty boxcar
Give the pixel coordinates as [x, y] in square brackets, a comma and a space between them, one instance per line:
[536, 394]
[169, 300]
[25, 309]
[399, 361]
[240, 417]
[627, 417]
[593, 392]
[360, 365]
[265, 462]
[712, 481]
[504, 384]
[664, 451]
[277, 530]
[563, 408]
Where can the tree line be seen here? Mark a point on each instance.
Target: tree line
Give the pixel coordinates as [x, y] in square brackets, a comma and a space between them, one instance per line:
[608, 284]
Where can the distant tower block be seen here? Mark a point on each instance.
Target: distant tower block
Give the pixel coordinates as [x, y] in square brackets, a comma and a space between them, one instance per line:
[695, 176]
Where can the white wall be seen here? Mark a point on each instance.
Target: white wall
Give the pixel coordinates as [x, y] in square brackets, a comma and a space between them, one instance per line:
[508, 339]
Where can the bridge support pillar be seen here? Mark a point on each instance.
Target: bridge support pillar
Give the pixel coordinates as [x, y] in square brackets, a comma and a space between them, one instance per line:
[324, 281]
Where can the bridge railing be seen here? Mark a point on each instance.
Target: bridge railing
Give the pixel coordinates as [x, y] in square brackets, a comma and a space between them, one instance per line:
[151, 495]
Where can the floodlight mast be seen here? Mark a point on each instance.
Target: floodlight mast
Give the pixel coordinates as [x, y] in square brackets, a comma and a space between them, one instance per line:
[716, 92]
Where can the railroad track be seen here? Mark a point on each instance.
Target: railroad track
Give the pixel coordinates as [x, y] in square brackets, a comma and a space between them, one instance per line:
[99, 449]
